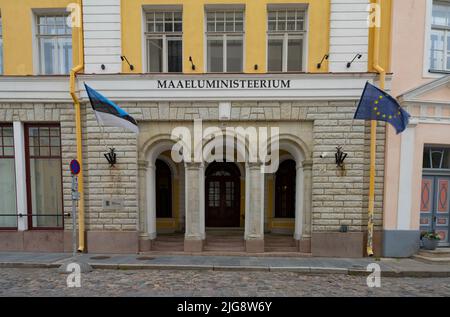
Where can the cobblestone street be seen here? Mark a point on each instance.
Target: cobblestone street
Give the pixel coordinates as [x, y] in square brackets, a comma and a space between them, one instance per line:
[48, 282]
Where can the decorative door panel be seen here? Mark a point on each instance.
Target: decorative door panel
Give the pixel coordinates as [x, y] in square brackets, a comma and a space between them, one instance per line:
[426, 204]
[434, 206]
[442, 208]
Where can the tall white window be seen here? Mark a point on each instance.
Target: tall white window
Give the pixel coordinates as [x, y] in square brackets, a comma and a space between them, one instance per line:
[440, 37]
[286, 40]
[225, 40]
[54, 39]
[164, 34]
[1, 46]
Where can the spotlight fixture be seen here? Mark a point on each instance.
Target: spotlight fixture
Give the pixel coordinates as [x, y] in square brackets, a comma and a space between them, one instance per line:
[102, 66]
[357, 56]
[124, 58]
[256, 67]
[192, 63]
[325, 57]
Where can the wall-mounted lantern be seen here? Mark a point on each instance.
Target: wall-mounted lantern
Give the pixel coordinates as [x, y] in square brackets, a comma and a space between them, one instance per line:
[340, 157]
[111, 157]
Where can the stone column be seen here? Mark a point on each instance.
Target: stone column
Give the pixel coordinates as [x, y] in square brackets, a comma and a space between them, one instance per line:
[305, 243]
[254, 218]
[299, 202]
[151, 201]
[193, 241]
[144, 240]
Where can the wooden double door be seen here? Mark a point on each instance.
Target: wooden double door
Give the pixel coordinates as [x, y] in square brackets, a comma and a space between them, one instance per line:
[222, 195]
[434, 206]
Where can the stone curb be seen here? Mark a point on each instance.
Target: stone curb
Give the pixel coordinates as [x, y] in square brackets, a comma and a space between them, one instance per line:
[305, 270]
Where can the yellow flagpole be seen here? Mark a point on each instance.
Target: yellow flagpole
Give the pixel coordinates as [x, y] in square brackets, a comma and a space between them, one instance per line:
[373, 139]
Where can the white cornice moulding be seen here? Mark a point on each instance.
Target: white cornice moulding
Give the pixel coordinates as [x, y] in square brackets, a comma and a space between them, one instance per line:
[143, 88]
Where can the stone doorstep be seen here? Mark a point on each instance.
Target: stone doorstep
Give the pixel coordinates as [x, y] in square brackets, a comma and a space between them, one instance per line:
[432, 259]
[438, 253]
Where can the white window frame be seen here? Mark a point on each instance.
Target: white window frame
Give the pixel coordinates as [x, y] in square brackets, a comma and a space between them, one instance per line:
[285, 35]
[427, 71]
[165, 36]
[39, 59]
[225, 36]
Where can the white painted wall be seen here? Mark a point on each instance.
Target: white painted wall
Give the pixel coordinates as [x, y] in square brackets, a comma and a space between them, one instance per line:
[102, 36]
[349, 35]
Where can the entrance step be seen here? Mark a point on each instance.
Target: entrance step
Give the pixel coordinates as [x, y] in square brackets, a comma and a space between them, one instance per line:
[280, 243]
[168, 243]
[225, 241]
[438, 256]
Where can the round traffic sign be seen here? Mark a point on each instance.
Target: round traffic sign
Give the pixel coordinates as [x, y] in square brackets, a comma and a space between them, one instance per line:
[75, 167]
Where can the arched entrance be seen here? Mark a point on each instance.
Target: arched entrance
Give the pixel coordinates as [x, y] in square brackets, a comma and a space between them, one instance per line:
[222, 195]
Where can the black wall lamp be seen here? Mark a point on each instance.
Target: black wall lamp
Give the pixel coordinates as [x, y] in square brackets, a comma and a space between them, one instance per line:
[357, 56]
[192, 63]
[124, 58]
[111, 157]
[340, 157]
[325, 57]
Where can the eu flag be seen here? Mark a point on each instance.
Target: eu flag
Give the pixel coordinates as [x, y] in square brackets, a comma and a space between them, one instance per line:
[375, 104]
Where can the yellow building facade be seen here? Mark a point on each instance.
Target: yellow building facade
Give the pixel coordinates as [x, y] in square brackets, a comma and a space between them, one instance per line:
[298, 66]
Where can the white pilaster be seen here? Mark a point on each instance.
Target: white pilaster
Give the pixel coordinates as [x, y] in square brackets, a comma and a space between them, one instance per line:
[151, 201]
[102, 36]
[349, 35]
[21, 184]
[406, 173]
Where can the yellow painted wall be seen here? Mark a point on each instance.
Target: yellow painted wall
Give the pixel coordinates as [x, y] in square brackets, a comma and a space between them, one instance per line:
[385, 41]
[17, 19]
[255, 32]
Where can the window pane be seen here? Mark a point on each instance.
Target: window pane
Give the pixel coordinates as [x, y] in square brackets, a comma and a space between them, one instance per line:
[295, 54]
[48, 55]
[65, 55]
[175, 53]
[46, 192]
[215, 55]
[234, 55]
[275, 52]
[155, 55]
[7, 193]
[440, 15]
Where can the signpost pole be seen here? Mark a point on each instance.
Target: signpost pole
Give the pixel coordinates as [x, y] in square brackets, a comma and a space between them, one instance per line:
[67, 267]
[74, 214]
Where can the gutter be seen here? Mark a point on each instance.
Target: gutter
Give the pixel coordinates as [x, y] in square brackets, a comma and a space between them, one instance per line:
[373, 138]
[76, 101]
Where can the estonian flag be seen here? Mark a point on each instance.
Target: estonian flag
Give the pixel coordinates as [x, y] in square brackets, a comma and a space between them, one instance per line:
[375, 104]
[108, 113]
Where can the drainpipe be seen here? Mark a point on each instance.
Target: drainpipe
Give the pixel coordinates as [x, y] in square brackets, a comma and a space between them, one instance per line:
[76, 102]
[373, 137]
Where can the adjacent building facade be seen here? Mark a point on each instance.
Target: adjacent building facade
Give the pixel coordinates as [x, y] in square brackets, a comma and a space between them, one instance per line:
[417, 162]
[295, 66]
